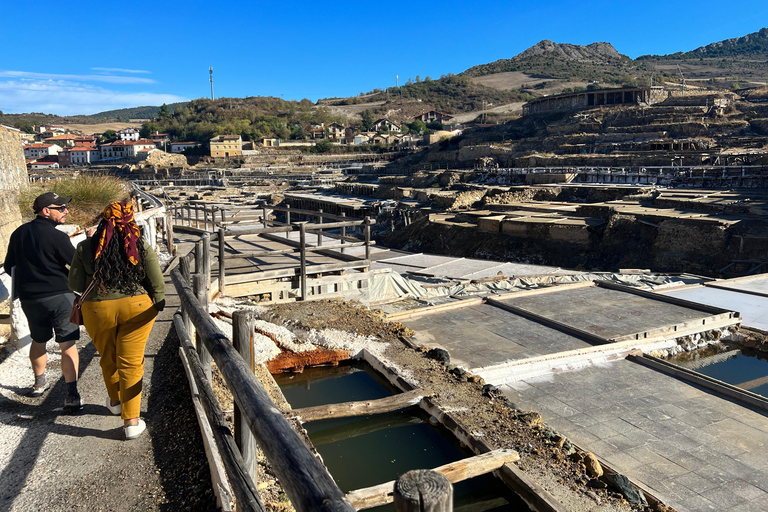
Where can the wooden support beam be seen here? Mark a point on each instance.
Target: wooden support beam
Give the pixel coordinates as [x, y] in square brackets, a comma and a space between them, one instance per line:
[455, 472]
[362, 408]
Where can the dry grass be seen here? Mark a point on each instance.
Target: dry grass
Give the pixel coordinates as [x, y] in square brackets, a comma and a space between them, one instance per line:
[90, 194]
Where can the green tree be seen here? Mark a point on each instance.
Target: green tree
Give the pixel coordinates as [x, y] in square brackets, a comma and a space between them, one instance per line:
[164, 115]
[322, 146]
[109, 136]
[367, 119]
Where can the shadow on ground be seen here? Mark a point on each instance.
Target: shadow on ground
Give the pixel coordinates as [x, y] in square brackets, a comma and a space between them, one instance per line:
[176, 440]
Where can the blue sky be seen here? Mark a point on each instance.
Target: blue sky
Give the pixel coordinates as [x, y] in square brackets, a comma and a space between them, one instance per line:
[85, 57]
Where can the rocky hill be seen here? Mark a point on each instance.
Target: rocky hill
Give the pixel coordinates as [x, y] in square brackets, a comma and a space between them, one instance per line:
[754, 45]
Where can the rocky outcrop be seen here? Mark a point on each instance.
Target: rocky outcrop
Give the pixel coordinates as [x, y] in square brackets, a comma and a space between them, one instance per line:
[13, 178]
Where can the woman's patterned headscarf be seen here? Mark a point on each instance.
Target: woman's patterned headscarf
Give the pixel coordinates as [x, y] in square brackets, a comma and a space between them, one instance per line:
[120, 216]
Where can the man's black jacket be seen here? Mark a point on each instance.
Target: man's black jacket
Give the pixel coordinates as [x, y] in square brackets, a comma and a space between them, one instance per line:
[40, 253]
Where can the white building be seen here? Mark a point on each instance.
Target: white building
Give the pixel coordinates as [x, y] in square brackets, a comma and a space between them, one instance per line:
[128, 134]
[36, 151]
[179, 147]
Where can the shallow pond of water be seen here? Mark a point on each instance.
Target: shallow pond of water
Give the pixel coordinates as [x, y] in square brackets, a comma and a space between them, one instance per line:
[366, 451]
[730, 365]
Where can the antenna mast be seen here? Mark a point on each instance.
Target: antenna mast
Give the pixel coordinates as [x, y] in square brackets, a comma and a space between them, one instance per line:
[210, 72]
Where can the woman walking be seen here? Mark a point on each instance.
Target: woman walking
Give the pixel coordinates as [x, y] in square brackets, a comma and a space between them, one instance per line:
[118, 312]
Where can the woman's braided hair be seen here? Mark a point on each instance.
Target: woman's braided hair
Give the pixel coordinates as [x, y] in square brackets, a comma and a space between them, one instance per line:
[112, 270]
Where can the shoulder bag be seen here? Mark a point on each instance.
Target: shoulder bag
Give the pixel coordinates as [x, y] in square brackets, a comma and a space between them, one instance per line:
[76, 317]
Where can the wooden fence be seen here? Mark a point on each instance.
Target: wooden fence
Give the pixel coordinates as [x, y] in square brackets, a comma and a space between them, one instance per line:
[305, 480]
[324, 280]
[258, 423]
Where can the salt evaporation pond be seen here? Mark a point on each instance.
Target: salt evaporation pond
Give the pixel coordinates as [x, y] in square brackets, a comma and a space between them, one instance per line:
[365, 451]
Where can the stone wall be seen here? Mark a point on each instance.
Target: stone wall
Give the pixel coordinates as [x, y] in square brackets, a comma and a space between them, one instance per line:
[13, 178]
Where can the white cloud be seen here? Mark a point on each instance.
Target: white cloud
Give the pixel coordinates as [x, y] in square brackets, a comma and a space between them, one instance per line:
[120, 70]
[112, 79]
[63, 97]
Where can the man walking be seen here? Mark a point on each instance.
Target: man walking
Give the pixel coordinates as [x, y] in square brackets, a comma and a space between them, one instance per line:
[40, 254]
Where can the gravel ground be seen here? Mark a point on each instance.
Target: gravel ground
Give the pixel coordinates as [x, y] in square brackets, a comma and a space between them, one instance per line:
[57, 462]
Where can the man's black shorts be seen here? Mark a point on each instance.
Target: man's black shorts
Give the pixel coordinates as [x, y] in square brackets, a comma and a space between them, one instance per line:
[50, 315]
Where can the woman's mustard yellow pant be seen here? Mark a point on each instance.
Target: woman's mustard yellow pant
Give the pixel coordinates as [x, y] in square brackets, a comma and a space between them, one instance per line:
[119, 329]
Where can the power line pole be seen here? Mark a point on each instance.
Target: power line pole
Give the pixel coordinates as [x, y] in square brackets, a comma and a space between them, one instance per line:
[210, 72]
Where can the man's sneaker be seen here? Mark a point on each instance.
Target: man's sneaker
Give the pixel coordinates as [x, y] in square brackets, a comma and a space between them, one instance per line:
[73, 404]
[37, 391]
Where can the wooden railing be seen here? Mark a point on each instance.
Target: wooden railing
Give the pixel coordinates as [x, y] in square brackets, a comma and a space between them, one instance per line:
[303, 477]
[205, 220]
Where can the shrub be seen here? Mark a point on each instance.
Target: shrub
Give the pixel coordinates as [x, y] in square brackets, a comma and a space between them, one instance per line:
[89, 193]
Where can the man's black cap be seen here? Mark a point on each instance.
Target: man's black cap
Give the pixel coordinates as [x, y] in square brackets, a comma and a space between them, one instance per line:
[47, 199]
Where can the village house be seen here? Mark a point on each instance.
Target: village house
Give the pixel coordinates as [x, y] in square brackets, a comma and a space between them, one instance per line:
[335, 131]
[112, 150]
[65, 157]
[48, 162]
[64, 140]
[37, 151]
[269, 142]
[84, 155]
[132, 148]
[128, 134]
[223, 146]
[363, 137]
[382, 125]
[85, 140]
[434, 115]
[179, 147]
[143, 154]
[160, 138]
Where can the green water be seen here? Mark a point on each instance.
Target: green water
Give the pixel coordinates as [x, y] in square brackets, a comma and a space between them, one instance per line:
[370, 450]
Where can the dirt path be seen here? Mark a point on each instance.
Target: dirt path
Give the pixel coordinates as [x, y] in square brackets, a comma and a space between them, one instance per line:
[52, 461]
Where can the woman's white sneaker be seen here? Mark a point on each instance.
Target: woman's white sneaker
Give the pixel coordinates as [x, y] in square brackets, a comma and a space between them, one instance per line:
[134, 431]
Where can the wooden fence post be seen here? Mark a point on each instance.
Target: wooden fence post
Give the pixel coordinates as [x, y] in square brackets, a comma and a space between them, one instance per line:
[199, 256]
[198, 287]
[222, 254]
[207, 260]
[343, 233]
[303, 253]
[423, 490]
[197, 216]
[242, 339]
[169, 234]
[367, 238]
[264, 216]
[320, 230]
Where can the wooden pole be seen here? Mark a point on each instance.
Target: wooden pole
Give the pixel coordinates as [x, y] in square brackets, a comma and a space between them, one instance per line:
[320, 230]
[367, 238]
[423, 490]
[199, 256]
[343, 233]
[169, 234]
[222, 254]
[198, 286]
[264, 215]
[242, 339]
[207, 261]
[303, 252]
